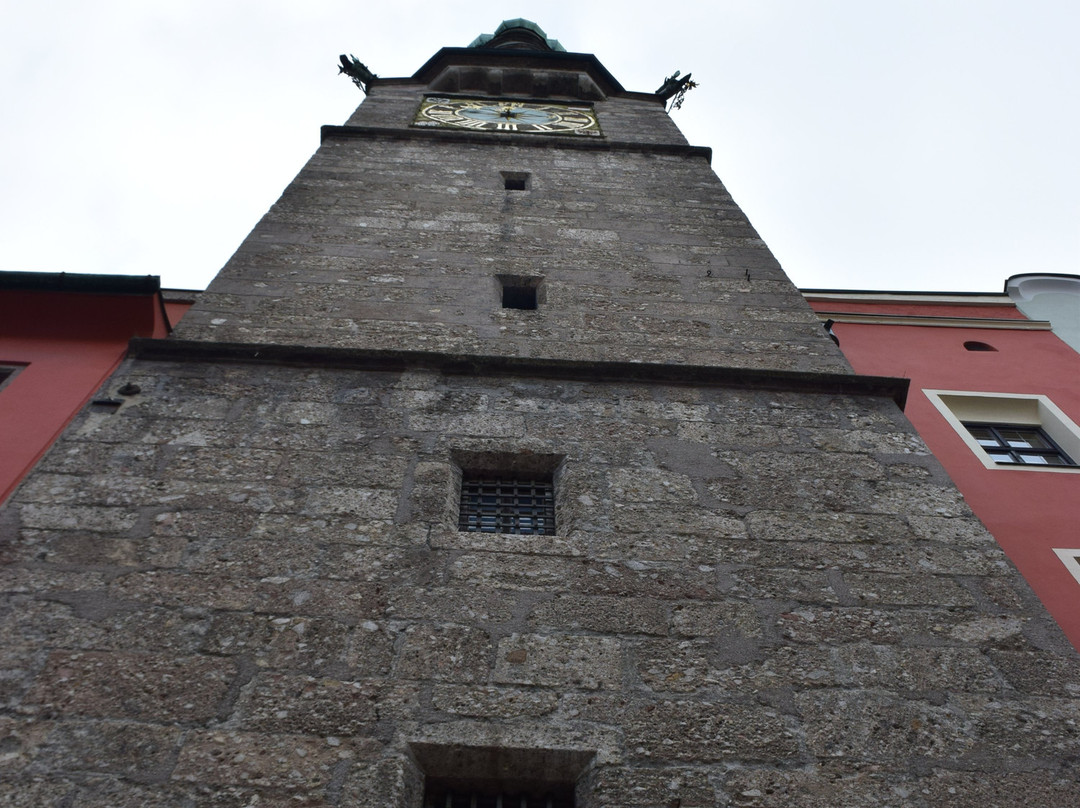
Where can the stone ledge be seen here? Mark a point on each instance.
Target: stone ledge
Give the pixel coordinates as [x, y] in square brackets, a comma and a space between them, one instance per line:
[487, 365]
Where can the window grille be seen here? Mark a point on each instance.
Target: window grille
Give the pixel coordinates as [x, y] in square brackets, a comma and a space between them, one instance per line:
[503, 505]
[1018, 445]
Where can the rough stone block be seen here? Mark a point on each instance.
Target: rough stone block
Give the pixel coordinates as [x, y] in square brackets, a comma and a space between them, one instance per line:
[708, 732]
[444, 653]
[286, 762]
[98, 519]
[908, 590]
[965, 789]
[609, 615]
[151, 687]
[305, 705]
[666, 786]
[818, 788]
[734, 665]
[492, 702]
[389, 781]
[559, 661]
[140, 752]
[882, 728]
[716, 619]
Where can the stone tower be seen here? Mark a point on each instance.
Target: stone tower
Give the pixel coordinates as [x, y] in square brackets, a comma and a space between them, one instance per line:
[503, 459]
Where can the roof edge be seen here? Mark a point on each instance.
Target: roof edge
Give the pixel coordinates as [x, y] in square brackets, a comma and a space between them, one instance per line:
[81, 283]
[470, 56]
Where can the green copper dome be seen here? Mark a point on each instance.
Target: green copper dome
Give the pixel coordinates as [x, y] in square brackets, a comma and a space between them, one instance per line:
[519, 34]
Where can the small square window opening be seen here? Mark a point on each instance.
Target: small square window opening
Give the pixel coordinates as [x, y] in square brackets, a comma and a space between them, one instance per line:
[521, 292]
[519, 297]
[515, 180]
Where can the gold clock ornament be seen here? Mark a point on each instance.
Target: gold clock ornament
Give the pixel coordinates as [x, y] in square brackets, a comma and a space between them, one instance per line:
[486, 115]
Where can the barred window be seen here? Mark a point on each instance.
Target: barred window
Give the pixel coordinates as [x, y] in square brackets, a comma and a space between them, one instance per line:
[1018, 444]
[494, 504]
[449, 794]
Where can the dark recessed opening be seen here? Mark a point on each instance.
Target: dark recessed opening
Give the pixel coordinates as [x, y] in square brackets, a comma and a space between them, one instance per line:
[519, 297]
[973, 345]
[7, 373]
[105, 405]
[461, 793]
[521, 291]
[494, 777]
[515, 180]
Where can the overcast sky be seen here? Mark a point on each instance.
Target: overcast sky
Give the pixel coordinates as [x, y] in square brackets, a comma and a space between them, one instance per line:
[911, 144]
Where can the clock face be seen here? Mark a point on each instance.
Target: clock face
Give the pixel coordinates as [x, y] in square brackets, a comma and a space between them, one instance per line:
[486, 115]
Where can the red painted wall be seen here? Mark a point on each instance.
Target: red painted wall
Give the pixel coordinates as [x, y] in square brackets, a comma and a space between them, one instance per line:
[67, 345]
[1029, 512]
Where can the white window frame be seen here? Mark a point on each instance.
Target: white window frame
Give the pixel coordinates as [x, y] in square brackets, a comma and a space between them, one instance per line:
[1021, 409]
[1071, 560]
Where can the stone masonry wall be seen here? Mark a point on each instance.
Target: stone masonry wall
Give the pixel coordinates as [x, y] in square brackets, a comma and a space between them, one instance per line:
[399, 242]
[245, 587]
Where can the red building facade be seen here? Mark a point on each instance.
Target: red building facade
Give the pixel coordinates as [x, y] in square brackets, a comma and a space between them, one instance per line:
[996, 397]
[61, 336]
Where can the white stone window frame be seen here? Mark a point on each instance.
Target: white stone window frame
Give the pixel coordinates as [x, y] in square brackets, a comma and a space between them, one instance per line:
[1021, 409]
[1071, 560]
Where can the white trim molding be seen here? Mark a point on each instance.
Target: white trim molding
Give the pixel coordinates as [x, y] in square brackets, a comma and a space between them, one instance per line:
[1071, 560]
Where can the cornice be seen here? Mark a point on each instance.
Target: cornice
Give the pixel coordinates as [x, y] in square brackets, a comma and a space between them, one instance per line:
[939, 298]
[516, 366]
[932, 321]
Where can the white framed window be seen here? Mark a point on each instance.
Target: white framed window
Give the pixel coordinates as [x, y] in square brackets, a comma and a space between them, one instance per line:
[1015, 431]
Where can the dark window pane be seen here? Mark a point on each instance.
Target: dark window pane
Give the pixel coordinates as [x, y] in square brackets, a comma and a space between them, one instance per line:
[1037, 460]
[1009, 444]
